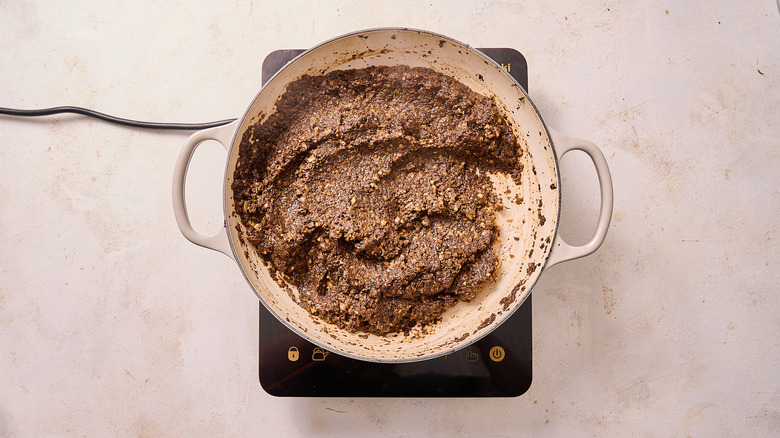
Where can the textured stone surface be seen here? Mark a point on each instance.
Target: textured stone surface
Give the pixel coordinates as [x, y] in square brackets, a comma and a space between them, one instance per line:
[112, 324]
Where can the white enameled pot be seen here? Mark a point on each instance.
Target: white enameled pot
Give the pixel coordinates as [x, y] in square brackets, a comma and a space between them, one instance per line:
[529, 240]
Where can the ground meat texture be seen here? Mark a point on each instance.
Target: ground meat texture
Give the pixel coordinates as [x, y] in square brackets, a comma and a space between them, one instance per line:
[368, 191]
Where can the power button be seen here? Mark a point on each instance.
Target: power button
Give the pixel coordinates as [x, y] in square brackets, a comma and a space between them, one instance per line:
[497, 354]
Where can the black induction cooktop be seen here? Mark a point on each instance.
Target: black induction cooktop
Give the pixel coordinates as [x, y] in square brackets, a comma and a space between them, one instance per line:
[498, 365]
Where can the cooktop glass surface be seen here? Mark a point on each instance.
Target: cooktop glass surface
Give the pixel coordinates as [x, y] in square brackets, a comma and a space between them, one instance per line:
[498, 365]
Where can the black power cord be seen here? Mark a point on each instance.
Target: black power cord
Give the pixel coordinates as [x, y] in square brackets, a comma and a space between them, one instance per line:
[111, 119]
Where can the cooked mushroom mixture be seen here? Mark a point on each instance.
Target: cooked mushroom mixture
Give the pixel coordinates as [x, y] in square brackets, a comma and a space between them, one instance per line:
[368, 191]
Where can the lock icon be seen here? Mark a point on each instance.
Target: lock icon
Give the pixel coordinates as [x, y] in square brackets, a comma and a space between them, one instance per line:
[293, 354]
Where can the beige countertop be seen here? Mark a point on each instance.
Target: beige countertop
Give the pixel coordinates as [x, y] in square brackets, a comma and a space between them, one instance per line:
[112, 324]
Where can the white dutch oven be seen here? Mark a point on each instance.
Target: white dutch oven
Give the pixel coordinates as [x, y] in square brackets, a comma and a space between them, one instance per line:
[529, 240]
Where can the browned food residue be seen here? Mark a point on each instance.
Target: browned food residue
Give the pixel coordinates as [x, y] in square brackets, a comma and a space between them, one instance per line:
[461, 338]
[367, 190]
[489, 320]
[507, 301]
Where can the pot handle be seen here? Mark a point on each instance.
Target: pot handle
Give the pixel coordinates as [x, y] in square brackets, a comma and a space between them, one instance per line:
[219, 241]
[562, 251]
